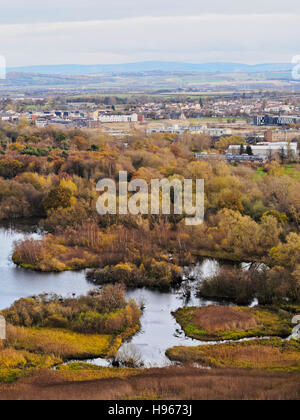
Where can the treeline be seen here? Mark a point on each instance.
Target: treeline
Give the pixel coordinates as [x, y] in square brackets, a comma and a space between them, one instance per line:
[276, 286]
[250, 211]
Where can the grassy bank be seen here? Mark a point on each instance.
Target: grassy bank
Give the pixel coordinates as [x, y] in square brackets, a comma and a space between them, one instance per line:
[273, 354]
[217, 323]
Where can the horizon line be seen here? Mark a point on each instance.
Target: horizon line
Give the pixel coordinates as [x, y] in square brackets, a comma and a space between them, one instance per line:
[152, 61]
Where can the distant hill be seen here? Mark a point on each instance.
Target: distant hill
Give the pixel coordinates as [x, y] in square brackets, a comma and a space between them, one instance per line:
[229, 79]
[146, 66]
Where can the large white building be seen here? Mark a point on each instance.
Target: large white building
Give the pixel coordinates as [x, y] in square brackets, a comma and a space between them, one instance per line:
[115, 118]
[193, 129]
[268, 150]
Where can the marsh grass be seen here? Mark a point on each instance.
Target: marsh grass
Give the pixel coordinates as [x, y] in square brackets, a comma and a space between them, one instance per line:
[60, 343]
[219, 319]
[15, 364]
[273, 354]
[175, 383]
[27, 350]
[217, 323]
[80, 371]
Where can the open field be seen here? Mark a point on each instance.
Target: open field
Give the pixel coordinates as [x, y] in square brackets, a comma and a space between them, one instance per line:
[273, 354]
[176, 383]
[290, 170]
[214, 323]
[239, 123]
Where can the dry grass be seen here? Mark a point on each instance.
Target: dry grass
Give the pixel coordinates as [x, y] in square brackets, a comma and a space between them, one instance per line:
[61, 343]
[260, 354]
[214, 323]
[27, 350]
[177, 383]
[222, 318]
[11, 358]
[78, 371]
[15, 364]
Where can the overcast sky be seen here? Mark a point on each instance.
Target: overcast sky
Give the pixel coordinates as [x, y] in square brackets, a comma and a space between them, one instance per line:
[118, 31]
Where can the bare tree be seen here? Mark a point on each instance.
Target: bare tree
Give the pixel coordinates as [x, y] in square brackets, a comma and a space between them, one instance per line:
[129, 356]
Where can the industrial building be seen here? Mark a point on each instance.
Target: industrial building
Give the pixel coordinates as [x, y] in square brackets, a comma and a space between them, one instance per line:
[268, 150]
[115, 118]
[276, 120]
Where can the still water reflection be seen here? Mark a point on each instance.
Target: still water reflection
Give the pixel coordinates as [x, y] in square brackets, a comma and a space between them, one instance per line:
[16, 282]
[159, 329]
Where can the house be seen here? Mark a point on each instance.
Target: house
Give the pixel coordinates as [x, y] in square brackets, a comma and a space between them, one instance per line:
[9, 117]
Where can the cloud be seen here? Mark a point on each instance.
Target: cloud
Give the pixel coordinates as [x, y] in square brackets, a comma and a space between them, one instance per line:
[20, 11]
[207, 37]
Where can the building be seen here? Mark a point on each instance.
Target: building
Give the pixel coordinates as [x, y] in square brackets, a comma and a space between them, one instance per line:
[209, 156]
[218, 132]
[41, 122]
[268, 150]
[60, 121]
[115, 118]
[193, 129]
[244, 158]
[10, 118]
[276, 120]
[277, 136]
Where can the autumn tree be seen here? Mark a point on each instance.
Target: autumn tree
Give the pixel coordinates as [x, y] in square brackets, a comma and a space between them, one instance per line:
[80, 142]
[58, 197]
[287, 254]
[232, 200]
[225, 142]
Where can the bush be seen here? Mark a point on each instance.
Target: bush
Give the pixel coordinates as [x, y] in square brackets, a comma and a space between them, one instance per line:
[58, 197]
[130, 357]
[101, 312]
[231, 284]
[270, 286]
[153, 274]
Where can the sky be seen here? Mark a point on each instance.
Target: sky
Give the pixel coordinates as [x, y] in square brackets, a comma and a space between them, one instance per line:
[33, 32]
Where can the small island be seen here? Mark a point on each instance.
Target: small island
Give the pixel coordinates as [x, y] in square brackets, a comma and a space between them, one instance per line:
[218, 323]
